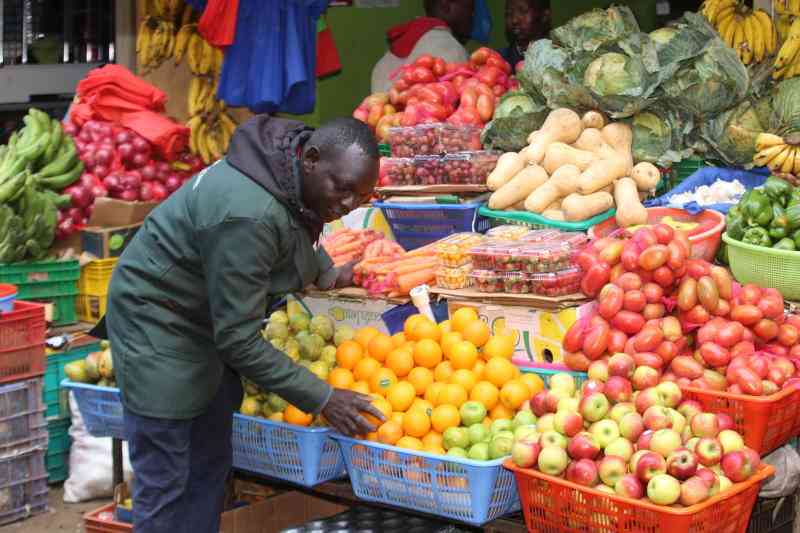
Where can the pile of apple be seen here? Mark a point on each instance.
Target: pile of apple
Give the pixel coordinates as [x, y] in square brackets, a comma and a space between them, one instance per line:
[649, 444]
[679, 319]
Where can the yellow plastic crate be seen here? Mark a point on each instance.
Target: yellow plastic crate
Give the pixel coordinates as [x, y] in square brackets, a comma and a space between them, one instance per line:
[91, 308]
[96, 276]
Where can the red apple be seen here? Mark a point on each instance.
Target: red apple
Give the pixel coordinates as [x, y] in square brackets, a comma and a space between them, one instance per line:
[709, 451]
[618, 389]
[611, 469]
[693, 491]
[583, 446]
[682, 464]
[650, 465]
[629, 486]
[705, 425]
[583, 472]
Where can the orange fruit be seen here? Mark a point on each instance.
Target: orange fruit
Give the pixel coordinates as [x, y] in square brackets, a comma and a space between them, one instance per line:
[293, 415]
[380, 346]
[398, 418]
[410, 443]
[341, 378]
[513, 394]
[433, 391]
[390, 432]
[465, 378]
[477, 332]
[276, 417]
[499, 371]
[421, 378]
[381, 381]
[398, 339]
[485, 393]
[371, 436]
[360, 386]
[443, 371]
[401, 395]
[381, 405]
[445, 327]
[435, 450]
[416, 423]
[452, 394]
[478, 369]
[401, 361]
[533, 382]
[499, 346]
[426, 329]
[427, 353]
[449, 340]
[410, 324]
[364, 335]
[463, 355]
[365, 368]
[501, 412]
[444, 417]
[433, 438]
[348, 354]
[422, 405]
[462, 317]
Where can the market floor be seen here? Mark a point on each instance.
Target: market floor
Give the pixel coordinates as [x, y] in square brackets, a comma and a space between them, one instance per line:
[64, 517]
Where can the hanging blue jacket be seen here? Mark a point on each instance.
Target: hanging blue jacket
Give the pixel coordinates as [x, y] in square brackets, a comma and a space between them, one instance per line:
[270, 67]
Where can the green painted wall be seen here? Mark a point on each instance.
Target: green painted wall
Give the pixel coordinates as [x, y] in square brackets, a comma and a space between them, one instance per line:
[360, 36]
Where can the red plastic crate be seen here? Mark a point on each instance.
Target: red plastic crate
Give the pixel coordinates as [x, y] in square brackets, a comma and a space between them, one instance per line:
[93, 524]
[765, 422]
[22, 336]
[554, 505]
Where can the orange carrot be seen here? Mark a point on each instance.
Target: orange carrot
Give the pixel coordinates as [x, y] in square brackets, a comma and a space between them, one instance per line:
[407, 282]
[414, 267]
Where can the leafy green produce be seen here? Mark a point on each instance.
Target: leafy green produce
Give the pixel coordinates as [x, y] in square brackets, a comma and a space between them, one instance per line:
[516, 116]
[596, 28]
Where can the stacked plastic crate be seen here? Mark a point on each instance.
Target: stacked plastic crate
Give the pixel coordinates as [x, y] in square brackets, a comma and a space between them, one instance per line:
[23, 429]
[54, 283]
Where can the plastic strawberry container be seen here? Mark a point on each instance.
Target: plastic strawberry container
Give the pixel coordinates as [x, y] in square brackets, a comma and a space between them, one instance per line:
[414, 140]
[452, 138]
[540, 235]
[540, 257]
[470, 167]
[556, 283]
[516, 282]
[454, 278]
[509, 232]
[453, 251]
[487, 281]
[429, 170]
[398, 171]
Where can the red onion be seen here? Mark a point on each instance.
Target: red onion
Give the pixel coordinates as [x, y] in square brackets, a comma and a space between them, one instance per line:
[85, 135]
[146, 191]
[80, 196]
[70, 128]
[99, 191]
[88, 212]
[140, 146]
[173, 182]
[75, 214]
[101, 171]
[112, 183]
[105, 131]
[89, 180]
[123, 137]
[159, 192]
[148, 172]
[129, 195]
[130, 181]
[125, 150]
[139, 160]
[66, 228]
[103, 157]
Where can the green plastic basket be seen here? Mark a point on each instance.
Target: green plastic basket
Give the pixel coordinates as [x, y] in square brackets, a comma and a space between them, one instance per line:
[56, 460]
[766, 267]
[64, 312]
[38, 272]
[534, 221]
[686, 168]
[55, 398]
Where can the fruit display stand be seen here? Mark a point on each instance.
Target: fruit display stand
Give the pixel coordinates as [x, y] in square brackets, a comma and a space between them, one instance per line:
[554, 504]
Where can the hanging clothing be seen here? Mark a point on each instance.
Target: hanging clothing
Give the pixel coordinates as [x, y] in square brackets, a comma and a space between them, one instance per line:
[328, 61]
[271, 65]
[404, 37]
[217, 25]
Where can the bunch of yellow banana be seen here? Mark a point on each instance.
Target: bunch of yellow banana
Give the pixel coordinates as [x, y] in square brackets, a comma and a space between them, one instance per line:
[203, 58]
[779, 154]
[164, 9]
[154, 43]
[751, 33]
[787, 64]
[202, 95]
[211, 134]
[786, 7]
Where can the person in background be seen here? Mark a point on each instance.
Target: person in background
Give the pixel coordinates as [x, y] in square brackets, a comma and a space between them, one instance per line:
[441, 33]
[526, 21]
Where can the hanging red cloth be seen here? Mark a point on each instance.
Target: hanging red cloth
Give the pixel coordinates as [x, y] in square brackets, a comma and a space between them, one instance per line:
[403, 37]
[328, 61]
[217, 25]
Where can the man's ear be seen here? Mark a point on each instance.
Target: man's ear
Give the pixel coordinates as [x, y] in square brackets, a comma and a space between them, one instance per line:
[310, 158]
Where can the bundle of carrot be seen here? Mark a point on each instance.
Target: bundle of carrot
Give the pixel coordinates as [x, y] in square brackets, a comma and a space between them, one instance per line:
[396, 276]
[347, 245]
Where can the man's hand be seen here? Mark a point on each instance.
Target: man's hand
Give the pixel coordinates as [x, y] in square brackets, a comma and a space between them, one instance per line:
[343, 412]
[344, 277]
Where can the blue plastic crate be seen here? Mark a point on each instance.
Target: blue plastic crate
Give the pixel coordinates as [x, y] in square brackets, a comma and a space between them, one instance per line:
[473, 492]
[101, 409]
[415, 225]
[23, 486]
[306, 456]
[22, 417]
[55, 398]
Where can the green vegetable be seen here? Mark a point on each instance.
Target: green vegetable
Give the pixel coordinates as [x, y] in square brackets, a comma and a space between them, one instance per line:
[757, 237]
[793, 214]
[756, 209]
[779, 227]
[794, 198]
[515, 117]
[734, 222]
[778, 190]
[785, 244]
[796, 238]
[722, 254]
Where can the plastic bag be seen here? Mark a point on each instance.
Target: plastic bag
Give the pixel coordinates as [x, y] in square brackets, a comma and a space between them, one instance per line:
[90, 462]
[786, 480]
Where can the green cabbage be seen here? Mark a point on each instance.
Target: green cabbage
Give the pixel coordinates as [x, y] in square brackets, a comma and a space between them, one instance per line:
[659, 135]
[786, 107]
[615, 74]
[591, 30]
[730, 137]
[516, 116]
[544, 77]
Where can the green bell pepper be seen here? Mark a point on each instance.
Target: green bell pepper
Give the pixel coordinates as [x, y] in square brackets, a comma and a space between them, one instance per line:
[796, 238]
[785, 244]
[778, 190]
[779, 227]
[722, 254]
[757, 209]
[757, 237]
[734, 221]
[794, 198]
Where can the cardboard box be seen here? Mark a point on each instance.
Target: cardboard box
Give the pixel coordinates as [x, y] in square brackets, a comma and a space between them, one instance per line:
[105, 242]
[112, 213]
[348, 306]
[286, 510]
[538, 334]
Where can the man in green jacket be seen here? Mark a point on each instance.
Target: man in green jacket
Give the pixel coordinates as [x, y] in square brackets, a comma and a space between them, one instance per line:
[189, 294]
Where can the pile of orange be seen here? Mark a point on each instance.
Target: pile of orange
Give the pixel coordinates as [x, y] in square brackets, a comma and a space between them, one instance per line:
[423, 375]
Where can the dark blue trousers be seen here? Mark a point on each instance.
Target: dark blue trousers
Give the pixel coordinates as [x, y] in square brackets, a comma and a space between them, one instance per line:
[181, 466]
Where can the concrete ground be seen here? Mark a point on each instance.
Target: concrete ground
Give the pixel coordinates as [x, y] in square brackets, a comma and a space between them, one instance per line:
[60, 517]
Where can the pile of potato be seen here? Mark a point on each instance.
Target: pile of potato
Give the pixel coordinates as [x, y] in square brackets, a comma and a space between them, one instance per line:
[575, 168]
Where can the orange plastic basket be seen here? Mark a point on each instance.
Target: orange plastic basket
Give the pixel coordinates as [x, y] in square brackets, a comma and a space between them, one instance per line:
[92, 522]
[554, 505]
[765, 422]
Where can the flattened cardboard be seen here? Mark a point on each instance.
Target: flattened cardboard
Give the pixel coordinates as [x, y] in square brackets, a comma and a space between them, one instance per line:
[281, 512]
[547, 303]
[110, 212]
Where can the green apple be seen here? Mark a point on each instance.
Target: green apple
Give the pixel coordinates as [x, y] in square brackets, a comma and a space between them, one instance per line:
[503, 435]
[501, 425]
[524, 431]
[523, 418]
[479, 452]
[500, 447]
[479, 433]
[472, 413]
[455, 438]
[457, 452]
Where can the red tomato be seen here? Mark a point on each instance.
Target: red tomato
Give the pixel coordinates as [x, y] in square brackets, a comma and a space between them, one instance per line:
[747, 314]
[630, 256]
[573, 338]
[698, 315]
[653, 360]
[596, 342]
[610, 301]
[729, 335]
[794, 320]
[707, 293]
[663, 276]
[586, 259]
[628, 322]
[771, 305]
[677, 256]
[594, 279]
[617, 341]
[686, 367]
[667, 351]
[653, 293]
[616, 271]
[671, 327]
[480, 55]
[629, 281]
[648, 339]
[723, 280]
[723, 308]
[653, 257]
[766, 329]
[664, 233]
[439, 67]
[425, 60]
[485, 106]
[697, 268]
[751, 294]
[759, 364]
[749, 382]
[577, 361]
[644, 238]
[634, 300]
[687, 294]
[707, 333]
[654, 311]
[644, 275]
[612, 252]
[683, 239]
[714, 355]
[788, 335]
